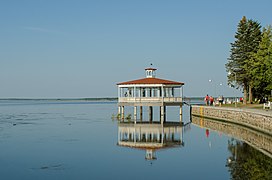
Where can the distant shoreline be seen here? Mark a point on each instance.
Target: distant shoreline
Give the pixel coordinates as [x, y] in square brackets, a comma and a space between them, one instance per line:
[186, 99]
[85, 99]
[59, 99]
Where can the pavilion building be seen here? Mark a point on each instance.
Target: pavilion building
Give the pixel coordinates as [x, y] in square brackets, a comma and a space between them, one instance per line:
[150, 91]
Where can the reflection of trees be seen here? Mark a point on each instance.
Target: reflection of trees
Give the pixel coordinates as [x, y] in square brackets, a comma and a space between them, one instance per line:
[246, 162]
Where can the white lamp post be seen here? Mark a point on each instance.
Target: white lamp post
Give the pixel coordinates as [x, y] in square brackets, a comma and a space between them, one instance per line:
[229, 73]
[221, 91]
[210, 81]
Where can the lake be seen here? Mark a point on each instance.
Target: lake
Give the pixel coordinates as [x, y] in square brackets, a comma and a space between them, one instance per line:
[50, 139]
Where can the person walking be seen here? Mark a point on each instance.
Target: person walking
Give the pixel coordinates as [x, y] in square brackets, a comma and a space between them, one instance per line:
[207, 100]
[211, 100]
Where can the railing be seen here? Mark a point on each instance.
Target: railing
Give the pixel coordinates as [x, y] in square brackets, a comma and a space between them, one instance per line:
[149, 99]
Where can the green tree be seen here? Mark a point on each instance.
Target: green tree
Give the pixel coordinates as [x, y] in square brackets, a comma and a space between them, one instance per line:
[247, 39]
[260, 69]
[269, 66]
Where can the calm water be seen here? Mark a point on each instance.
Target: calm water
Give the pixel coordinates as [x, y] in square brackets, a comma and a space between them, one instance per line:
[79, 140]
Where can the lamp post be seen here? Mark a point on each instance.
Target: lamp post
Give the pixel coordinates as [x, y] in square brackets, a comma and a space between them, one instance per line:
[210, 81]
[220, 90]
[229, 73]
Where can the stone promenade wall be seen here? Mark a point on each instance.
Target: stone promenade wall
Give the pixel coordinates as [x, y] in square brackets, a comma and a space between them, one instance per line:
[255, 120]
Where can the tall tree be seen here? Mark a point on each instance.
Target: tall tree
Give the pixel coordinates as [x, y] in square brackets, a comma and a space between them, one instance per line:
[236, 56]
[269, 70]
[261, 65]
[253, 40]
[269, 66]
[246, 42]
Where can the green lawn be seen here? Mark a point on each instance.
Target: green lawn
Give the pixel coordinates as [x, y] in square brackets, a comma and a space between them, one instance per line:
[241, 105]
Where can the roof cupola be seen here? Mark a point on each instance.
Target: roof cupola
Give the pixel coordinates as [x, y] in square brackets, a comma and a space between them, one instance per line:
[150, 72]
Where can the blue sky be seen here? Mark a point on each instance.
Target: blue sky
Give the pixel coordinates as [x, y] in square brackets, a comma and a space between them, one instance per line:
[82, 48]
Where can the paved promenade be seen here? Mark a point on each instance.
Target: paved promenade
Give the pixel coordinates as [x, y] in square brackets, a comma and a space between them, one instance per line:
[267, 112]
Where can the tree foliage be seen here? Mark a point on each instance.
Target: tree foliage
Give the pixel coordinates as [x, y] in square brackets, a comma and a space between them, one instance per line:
[261, 65]
[243, 59]
[237, 56]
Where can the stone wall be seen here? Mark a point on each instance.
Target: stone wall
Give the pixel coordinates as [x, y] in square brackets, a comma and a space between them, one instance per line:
[255, 120]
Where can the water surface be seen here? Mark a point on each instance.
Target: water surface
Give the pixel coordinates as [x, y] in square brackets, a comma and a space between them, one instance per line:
[79, 140]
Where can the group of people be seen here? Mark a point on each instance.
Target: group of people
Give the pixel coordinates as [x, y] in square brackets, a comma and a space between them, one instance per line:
[209, 100]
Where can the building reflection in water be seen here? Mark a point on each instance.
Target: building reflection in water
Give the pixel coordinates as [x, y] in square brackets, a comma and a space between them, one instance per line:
[150, 137]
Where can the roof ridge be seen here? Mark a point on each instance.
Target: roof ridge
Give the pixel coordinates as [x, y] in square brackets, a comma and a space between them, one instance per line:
[151, 81]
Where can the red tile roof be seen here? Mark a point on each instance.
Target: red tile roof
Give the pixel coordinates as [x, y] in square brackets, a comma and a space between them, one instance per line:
[154, 69]
[151, 81]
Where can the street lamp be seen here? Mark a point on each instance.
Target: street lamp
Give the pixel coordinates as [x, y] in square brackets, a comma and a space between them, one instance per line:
[229, 73]
[213, 89]
[221, 91]
[210, 81]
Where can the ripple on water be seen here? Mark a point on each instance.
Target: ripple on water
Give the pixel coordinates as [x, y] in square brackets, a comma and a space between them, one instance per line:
[55, 167]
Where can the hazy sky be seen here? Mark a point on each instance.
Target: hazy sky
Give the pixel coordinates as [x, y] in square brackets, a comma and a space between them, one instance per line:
[77, 48]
